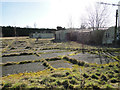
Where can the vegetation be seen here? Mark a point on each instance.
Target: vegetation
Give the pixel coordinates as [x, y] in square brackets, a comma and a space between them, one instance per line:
[81, 75]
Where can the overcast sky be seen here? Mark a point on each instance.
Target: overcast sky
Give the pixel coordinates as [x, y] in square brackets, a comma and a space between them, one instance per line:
[48, 13]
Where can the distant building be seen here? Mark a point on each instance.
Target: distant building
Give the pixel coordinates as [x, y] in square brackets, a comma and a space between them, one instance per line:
[41, 35]
[108, 37]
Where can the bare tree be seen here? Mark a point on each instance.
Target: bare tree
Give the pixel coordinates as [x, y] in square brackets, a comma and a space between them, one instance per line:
[70, 22]
[98, 16]
[83, 22]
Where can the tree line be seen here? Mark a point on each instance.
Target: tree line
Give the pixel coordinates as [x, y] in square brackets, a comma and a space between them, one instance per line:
[10, 31]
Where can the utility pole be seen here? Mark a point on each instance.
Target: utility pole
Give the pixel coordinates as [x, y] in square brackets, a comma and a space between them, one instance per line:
[115, 33]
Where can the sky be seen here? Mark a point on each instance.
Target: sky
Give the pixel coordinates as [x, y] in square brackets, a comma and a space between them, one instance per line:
[48, 13]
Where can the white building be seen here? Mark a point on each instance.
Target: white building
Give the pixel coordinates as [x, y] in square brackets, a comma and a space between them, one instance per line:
[41, 35]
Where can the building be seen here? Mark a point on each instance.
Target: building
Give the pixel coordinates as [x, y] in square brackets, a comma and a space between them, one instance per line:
[41, 35]
[108, 37]
[81, 36]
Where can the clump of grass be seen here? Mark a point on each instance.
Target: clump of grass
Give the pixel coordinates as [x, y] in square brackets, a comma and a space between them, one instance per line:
[97, 73]
[94, 76]
[75, 61]
[114, 80]
[91, 85]
[7, 85]
[81, 63]
[73, 81]
[104, 78]
[9, 63]
[58, 75]
[53, 59]
[19, 85]
[25, 62]
[85, 75]
[65, 83]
